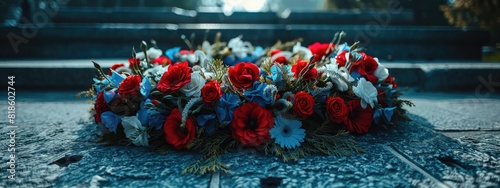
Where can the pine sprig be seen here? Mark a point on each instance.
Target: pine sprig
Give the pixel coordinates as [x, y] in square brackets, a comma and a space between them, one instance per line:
[211, 147]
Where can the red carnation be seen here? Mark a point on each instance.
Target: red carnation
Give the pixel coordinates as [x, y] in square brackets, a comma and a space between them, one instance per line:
[336, 109]
[114, 67]
[301, 65]
[211, 92]
[100, 107]
[359, 120]
[391, 80]
[178, 136]
[320, 49]
[130, 86]
[303, 104]
[366, 67]
[162, 60]
[243, 75]
[175, 78]
[279, 59]
[251, 124]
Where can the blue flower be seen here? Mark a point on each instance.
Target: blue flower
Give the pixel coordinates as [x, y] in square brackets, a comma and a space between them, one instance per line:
[110, 120]
[277, 74]
[386, 112]
[208, 121]
[156, 121]
[225, 107]
[170, 53]
[259, 94]
[142, 114]
[116, 78]
[287, 132]
[99, 85]
[146, 87]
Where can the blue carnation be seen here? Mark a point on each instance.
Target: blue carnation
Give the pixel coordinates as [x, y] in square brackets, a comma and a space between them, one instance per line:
[259, 94]
[209, 121]
[225, 107]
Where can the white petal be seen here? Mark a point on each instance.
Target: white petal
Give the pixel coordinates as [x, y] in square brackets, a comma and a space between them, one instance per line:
[363, 104]
[381, 73]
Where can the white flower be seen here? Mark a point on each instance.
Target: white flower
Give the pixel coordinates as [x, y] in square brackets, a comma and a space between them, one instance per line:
[156, 72]
[367, 92]
[238, 47]
[193, 88]
[381, 73]
[153, 53]
[135, 131]
[334, 72]
[298, 48]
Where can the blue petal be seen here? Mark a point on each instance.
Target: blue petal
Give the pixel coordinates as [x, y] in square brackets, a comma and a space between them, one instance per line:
[116, 78]
[143, 116]
[146, 87]
[258, 51]
[388, 112]
[156, 121]
[170, 53]
[355, 74]
[110, 95]
[110, 120]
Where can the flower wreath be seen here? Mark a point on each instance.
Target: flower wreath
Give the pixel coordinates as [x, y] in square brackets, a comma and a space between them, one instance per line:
[286, 100]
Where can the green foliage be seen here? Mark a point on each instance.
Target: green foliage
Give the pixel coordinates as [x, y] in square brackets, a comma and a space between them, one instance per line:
[211, 147]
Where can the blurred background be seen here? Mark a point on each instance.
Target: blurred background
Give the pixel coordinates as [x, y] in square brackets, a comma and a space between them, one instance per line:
[434, 45]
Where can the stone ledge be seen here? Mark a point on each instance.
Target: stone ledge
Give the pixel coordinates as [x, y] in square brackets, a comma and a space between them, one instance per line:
[436, 76]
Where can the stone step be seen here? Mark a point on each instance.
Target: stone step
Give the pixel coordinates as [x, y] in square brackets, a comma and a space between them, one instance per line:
[482, 78]
[81, 41]
[179, 16]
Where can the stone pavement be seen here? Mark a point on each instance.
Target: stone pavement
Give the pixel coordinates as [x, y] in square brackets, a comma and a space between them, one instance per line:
[453, 141]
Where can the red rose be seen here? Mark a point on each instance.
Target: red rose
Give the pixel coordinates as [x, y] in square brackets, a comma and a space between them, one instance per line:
[211, 92]
[251, 124]
[359, 120]
[320, 49]
[301, 65]
[100, 106]
[336, 109]
[130, 86]
[175, 78]
[178, 136]
[366, 66]
[279, 59]
[243, 75]
[162, 60]
[114, 67]
[303, 104]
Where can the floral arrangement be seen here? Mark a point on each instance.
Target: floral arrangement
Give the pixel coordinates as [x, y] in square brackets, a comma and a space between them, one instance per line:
[286, 100]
